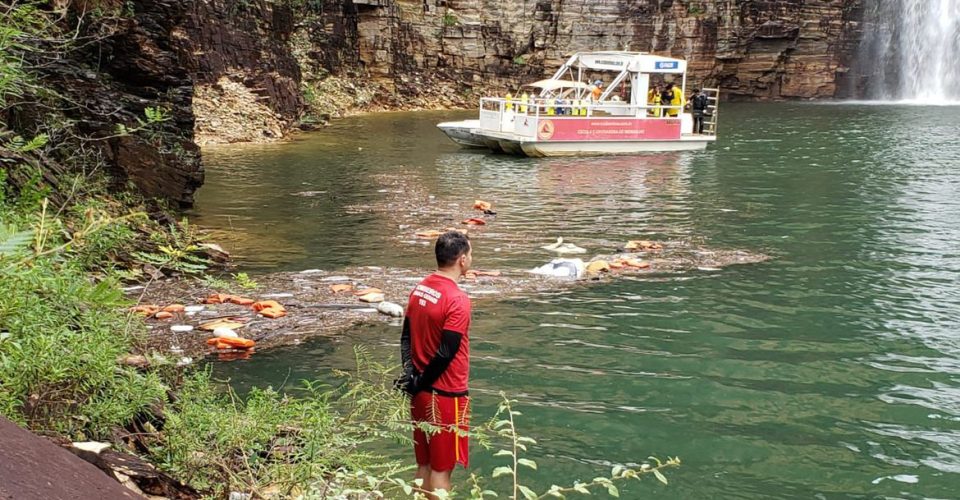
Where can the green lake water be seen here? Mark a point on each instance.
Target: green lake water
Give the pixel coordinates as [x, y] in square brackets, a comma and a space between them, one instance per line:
[830, 371]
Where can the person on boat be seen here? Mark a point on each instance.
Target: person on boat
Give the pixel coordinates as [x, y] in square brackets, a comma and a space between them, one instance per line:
[698, 105]
[666, 97]
[676, 100]
[653, 99]
[435, 351]
[596, 90]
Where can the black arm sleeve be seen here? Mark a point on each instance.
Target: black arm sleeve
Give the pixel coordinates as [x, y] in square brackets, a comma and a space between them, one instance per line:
[449, 345]
[405, 356]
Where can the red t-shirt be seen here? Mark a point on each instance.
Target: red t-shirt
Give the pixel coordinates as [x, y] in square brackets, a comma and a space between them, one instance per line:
[438, 304]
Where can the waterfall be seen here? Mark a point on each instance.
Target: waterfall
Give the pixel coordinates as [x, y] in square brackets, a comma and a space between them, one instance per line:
[911, 51]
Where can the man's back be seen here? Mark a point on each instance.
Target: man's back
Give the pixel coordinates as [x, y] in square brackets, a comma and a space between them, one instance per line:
[435, 305]
[699, 102]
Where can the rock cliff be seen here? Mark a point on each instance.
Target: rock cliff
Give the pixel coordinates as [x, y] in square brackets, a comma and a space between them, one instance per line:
[374, 54]
[756, 49]
[114, 95]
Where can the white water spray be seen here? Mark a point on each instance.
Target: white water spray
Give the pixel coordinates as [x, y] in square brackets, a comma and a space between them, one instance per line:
[911, 51]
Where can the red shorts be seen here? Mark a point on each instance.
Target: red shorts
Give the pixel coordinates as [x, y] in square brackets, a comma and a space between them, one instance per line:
[442, 450]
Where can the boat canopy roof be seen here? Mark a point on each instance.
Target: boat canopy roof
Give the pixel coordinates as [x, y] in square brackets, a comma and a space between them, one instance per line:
[635, 62]
[550, 84]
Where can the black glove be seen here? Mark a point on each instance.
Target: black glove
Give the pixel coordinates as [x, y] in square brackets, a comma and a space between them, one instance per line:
[408, 382]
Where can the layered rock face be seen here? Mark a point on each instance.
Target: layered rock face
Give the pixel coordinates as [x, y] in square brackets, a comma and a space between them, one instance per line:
[438, 53]
[126, 60]
[756, 49]
[144, 62]
[247, 81]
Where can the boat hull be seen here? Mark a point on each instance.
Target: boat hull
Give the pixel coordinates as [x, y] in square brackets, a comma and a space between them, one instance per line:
[540, 149]
[469, 134]
[462, 133]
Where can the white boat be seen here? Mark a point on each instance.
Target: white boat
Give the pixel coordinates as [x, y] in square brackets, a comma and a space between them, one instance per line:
[562, 119]
[460, 133]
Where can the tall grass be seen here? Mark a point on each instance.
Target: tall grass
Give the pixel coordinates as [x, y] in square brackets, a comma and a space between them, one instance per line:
[61, 335]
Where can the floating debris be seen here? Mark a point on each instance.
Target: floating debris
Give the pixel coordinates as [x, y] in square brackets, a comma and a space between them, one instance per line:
[561, 268]
[224, 332]
[561, 248]
[483, 206]
[269, 309]
[598, 266]
[372, 297]
[390, 309]
[221, 323]
[308, 194]
[643, 245]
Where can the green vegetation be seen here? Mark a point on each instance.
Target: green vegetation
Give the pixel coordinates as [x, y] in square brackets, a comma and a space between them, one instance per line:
[60, 333]
[176, 250]
[245, 282]
[317, 444]
[449, 19]
[278, 444]
[695, 9]
[513, 445]
[68, 237]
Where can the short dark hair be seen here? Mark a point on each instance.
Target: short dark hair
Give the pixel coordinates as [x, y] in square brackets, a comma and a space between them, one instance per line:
[450, 246]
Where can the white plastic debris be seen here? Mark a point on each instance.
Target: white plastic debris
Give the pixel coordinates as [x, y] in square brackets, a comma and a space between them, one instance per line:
[181, 328]
[390, 309]
[561, 248]
[336, 278]
[561, 268]
[225, 333]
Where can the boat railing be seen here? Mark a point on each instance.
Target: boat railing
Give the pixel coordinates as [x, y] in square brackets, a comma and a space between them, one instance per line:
[577, 108]
[501, 115]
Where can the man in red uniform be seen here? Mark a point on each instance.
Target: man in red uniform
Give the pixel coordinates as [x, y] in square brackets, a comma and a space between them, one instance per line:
[435, 349]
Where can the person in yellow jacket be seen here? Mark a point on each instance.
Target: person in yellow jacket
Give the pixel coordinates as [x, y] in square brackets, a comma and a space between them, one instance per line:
[508, 100]
[653, 99]
[678, 101]
[524, 99]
